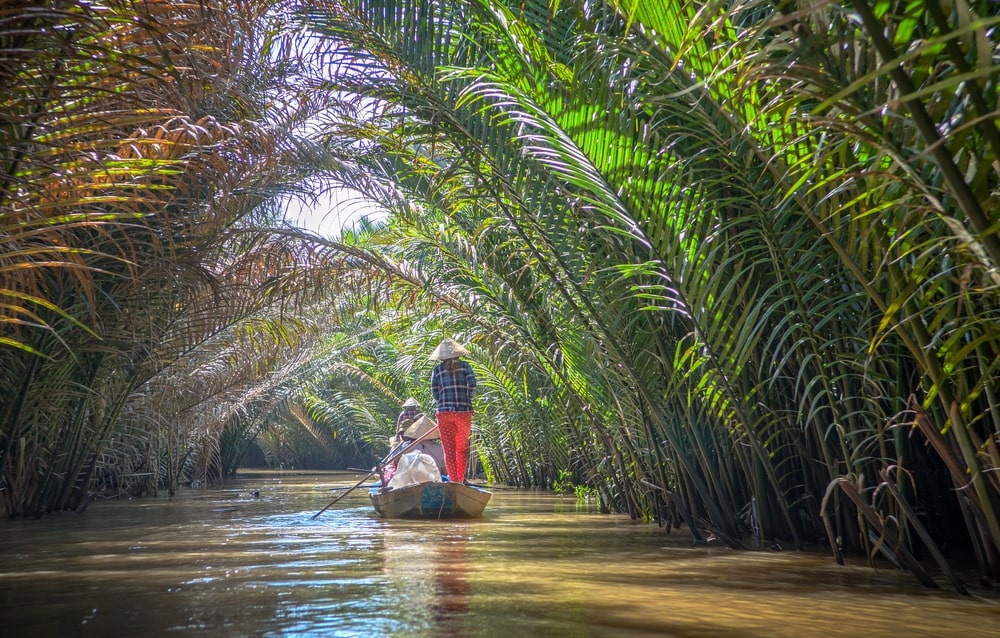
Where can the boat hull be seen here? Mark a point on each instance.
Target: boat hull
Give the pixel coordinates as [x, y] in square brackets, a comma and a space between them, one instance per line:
[431, 500]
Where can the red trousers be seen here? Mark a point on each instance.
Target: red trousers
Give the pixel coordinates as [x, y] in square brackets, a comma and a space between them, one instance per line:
[454, 428]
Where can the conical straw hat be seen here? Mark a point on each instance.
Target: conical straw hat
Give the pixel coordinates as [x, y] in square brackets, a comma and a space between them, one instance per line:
[448, 349]
[419, 428]
[410, 403]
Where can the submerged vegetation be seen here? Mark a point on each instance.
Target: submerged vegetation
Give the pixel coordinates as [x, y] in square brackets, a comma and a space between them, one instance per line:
[727, 264]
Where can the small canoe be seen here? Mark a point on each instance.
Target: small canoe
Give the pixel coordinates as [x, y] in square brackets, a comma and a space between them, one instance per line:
[431, 500]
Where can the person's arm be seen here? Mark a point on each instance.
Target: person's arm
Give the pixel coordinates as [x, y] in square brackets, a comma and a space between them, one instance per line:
[470, 377]
[436, 384]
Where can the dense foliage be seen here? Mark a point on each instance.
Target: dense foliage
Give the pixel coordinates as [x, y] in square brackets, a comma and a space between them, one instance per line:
[146, 288]
[726, 263]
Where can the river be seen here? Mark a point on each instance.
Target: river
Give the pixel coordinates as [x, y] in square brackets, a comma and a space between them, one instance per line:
[248, 559]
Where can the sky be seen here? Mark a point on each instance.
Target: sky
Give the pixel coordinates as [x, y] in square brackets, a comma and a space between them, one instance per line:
[332, 212]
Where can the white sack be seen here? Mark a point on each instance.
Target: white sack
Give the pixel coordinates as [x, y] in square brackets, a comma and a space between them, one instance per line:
[413, 468]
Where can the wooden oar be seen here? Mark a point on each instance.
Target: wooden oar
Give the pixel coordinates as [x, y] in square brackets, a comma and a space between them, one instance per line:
[341, 488]
[389, 459]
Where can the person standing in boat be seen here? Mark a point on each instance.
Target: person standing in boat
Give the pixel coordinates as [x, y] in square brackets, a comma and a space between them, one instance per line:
[453, 384]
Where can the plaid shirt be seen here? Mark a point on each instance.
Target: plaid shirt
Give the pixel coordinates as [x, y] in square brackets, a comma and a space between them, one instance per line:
[409, 412]
[453, 392]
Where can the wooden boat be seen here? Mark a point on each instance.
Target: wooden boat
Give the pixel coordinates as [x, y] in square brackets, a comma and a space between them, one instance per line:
[431, 500]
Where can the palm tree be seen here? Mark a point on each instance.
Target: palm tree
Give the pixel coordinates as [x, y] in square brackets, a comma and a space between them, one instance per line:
[143, 146]
[770, 250]
[732, 263]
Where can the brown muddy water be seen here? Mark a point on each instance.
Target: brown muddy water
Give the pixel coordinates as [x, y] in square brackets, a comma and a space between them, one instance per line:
[226, 562]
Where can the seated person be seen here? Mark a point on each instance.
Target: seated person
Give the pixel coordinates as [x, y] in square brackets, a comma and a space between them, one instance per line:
[409, 414]
[432, 447]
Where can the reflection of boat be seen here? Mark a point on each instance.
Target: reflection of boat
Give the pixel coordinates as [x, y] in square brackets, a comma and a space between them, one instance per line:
[431, 500]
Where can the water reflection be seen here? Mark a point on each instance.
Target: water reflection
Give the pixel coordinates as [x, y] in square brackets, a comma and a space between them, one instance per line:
[452, 584]
[226, 563]
[428, 575]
